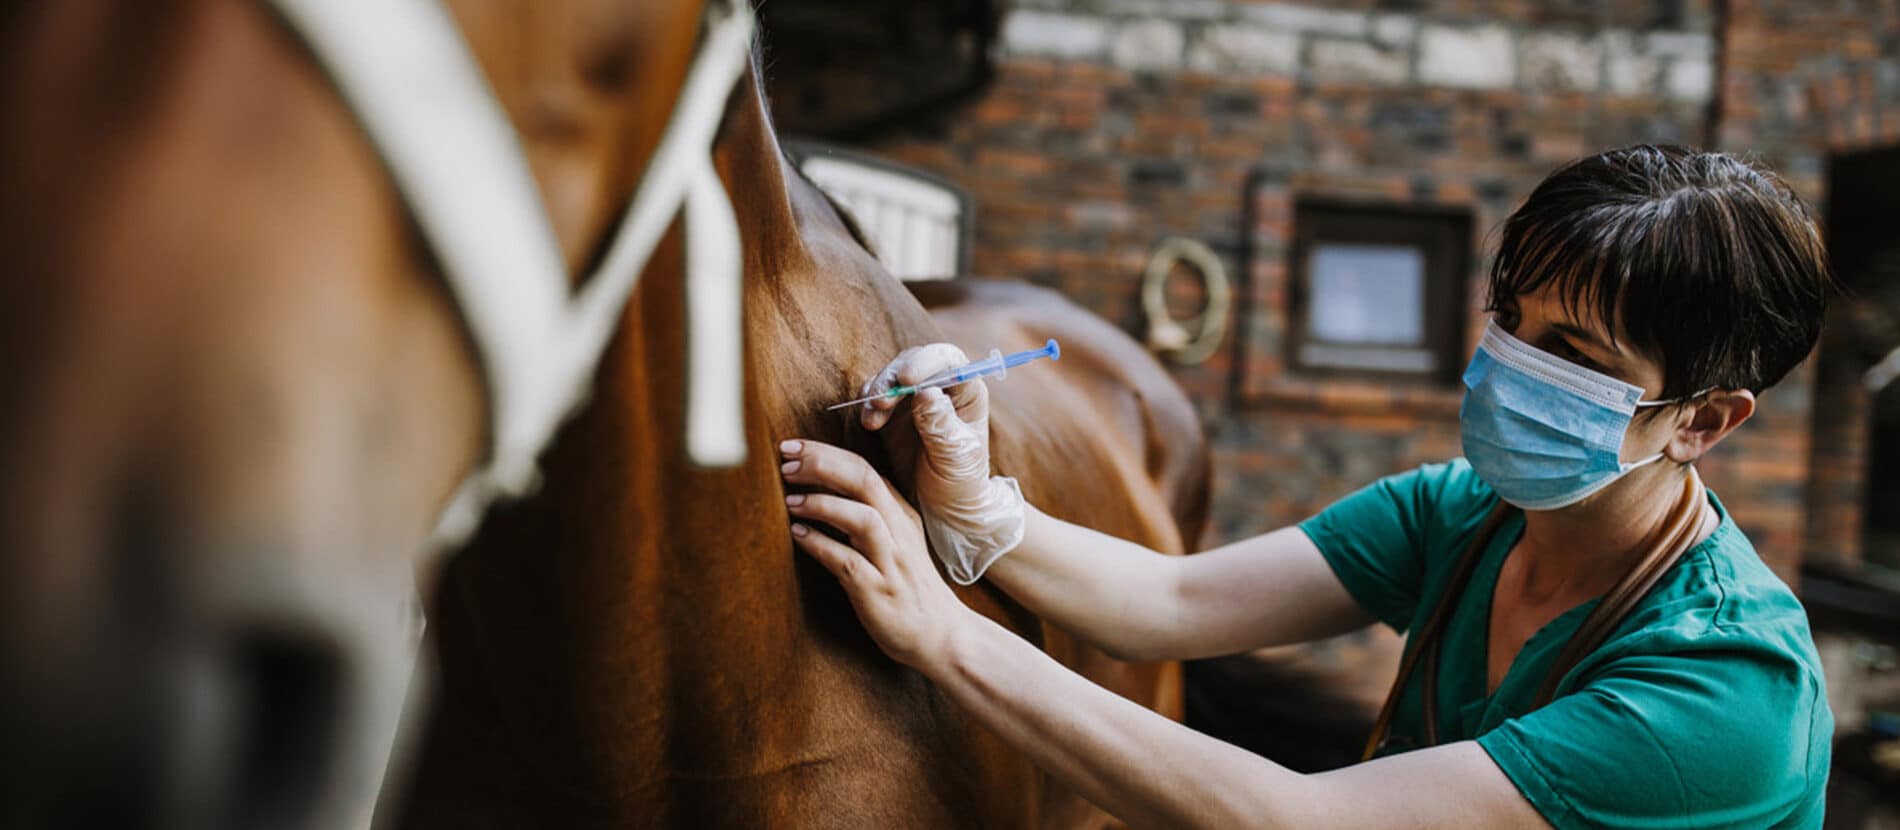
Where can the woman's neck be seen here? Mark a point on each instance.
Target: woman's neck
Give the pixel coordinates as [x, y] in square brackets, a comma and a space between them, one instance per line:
[1585, 548]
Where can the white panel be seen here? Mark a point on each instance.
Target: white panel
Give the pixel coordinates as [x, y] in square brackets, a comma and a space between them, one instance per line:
[914, 224]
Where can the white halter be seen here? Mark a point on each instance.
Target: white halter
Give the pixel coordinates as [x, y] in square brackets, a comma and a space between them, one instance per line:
[404, 68]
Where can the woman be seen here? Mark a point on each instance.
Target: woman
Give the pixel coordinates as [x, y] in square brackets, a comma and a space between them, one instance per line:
[1594, 640]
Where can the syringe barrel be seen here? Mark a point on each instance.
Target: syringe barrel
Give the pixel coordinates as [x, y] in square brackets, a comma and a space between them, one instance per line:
[992, 365]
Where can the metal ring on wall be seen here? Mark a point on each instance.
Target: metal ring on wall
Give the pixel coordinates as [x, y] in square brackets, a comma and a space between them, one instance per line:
[1185, 342]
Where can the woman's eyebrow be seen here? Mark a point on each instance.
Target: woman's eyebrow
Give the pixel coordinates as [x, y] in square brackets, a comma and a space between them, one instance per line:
[1585, 335]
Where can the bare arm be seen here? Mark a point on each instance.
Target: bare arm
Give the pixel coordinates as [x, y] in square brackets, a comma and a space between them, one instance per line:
[1135, 603]
[1152, 772]
[1138, 765]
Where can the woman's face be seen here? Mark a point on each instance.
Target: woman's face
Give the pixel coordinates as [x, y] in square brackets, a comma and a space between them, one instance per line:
[1540, 319]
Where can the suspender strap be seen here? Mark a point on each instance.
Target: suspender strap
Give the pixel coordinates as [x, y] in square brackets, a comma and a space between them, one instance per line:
[1664, 547]
[1425, 641]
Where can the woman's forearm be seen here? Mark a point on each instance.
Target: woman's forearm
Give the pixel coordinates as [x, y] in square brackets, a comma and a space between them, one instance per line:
[1149, 771]
[1119, 596]
[1143, 768]
[1137, 604]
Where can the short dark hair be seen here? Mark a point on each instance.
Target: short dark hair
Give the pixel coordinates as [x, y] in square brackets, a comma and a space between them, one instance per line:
[1709, 263]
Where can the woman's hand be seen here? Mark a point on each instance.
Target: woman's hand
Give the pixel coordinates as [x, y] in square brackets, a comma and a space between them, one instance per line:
[972, 518]
[954, 424]
[886, 568]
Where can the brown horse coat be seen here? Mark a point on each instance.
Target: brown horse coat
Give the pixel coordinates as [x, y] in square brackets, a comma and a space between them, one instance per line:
[638, 645]
[235, 398]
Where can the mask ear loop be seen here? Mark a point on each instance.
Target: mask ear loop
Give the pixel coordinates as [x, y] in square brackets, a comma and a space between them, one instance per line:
[1668, 401]
[1660, 454]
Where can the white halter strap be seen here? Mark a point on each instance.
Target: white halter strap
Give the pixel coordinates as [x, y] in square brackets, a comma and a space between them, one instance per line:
[405, 70]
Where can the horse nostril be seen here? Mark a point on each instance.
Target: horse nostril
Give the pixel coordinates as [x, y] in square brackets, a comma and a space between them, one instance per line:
[287, 699]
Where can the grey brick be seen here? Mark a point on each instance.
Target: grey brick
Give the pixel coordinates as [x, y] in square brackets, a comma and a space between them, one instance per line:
[1047, 34]
[1479, 57]
[1628, 67]
[1147, 45]
[1691, 79]
[1349, 61]
[1245, 47]
[1563, 62]
[1307, 19]
[1169, 9]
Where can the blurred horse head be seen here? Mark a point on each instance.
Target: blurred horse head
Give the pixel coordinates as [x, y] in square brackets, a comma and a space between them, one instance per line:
[241, 384]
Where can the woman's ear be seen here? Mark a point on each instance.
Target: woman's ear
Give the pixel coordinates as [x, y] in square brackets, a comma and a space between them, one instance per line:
[1706, 422]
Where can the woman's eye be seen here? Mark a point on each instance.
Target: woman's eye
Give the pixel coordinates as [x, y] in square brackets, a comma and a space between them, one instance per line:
[1570, 353]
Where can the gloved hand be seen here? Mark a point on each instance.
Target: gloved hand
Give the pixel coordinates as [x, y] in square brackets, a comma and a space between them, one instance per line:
[971, 517]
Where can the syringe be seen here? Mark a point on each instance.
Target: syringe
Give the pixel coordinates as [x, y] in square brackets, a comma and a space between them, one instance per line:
[997, 364]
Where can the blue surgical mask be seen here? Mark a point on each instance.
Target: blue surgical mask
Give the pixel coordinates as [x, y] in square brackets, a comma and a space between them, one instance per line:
[1542, 431]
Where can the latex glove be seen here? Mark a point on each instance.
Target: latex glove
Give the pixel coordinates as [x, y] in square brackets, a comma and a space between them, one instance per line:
[971, 517]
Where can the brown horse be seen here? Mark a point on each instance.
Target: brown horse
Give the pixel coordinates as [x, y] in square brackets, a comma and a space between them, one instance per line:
[638, 645]
[238, 396]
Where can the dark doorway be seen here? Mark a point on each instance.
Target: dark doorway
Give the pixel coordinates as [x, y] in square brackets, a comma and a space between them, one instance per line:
[849, 71]
[1863, 328]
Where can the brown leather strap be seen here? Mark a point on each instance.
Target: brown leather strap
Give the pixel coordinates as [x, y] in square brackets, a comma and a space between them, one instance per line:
[1667, 545]
[1664, 546]
[1423, 643]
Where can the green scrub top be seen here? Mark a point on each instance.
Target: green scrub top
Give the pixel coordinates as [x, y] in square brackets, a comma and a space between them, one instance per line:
[1704, 708]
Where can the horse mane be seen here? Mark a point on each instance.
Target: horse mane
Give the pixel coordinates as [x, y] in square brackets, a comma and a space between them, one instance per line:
[844, 214]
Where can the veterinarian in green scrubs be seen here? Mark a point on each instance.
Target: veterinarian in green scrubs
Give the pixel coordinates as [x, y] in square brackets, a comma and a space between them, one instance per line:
[1591, 640]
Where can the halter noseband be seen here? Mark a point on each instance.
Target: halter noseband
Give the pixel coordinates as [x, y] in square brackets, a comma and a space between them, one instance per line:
[404, 69]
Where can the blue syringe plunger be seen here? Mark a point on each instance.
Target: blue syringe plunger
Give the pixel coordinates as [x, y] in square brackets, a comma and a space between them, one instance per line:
[996, 363]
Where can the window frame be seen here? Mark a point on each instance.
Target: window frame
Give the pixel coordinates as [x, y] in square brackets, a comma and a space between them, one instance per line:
[1442, 234]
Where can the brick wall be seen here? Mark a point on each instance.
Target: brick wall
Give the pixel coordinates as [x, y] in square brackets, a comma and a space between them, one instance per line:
[1114, 124]
[1804, 81]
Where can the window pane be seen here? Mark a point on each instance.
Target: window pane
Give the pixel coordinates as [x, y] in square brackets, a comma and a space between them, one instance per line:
[1373, 294]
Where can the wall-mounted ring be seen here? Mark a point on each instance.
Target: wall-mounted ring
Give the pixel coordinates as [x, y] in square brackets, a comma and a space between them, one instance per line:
[1185, 342]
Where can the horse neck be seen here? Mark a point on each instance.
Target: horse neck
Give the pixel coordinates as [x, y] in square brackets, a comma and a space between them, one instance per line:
[821, 314]
[638, 583]
[758, 181]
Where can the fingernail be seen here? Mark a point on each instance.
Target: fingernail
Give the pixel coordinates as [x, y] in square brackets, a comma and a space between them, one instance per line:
[788, 447]
[800, 530]
[789, 467]
[795, 499]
